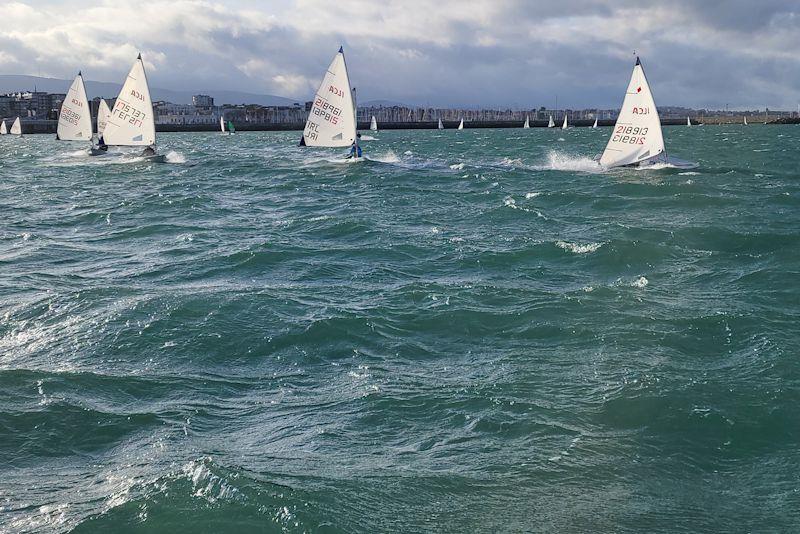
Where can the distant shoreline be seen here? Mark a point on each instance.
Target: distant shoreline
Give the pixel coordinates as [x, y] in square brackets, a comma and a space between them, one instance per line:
[49, 126]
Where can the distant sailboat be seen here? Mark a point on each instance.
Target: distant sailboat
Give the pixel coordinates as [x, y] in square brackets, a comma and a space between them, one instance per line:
[75, 117]
[564, 126]
[461, 125]
[441, 126]
[595, 123]
[16, 128]
[637, 139]
[527, 122]
[132, 123]
[222, 123]
[688, 121]
[3, 129]
[373, 125]
[332, 119]
[745, 121]
[551, 124]
[231, 128]
[103, 114]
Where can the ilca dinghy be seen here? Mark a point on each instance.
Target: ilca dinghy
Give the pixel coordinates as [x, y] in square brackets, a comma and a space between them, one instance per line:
[16, 128]
[3, 129]
[637, 139]
[103, 114]
[75, 117]
[332, 119]
[132, 123]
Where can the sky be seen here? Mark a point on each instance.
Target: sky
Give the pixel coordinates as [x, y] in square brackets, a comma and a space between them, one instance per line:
[521, 54]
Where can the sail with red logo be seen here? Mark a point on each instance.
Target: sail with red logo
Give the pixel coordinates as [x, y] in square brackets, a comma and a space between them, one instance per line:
[332, 119]
[131, 122]
[637, 134]
[75, 117]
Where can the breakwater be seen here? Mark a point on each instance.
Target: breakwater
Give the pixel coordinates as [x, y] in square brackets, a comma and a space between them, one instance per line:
[49, 126]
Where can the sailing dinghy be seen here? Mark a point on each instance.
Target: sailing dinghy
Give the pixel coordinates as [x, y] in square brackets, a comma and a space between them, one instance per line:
[222, 123]
[3, 129]
[131, 122]
[461, 125]
[231, 129]
[373, 125]
[564, 126]
[688, 121]
[527, 122]
[332, 119]
[552, 123]
[75, 117]
[16, 128]
[595, 123]
[637, 139]
[441, 126]
[103, 114]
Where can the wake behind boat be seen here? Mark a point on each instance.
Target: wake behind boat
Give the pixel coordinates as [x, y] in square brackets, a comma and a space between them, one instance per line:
[637, 139]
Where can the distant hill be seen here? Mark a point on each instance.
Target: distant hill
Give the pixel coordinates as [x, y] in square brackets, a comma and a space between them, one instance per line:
[14, 82]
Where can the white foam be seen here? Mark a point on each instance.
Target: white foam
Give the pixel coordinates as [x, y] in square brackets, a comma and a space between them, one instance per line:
[579, 249]
[175, 157]
[640, 282]
[388, 157]
[368, 138]
[532, 195]
[559, 161]
[690, 173]
[457, 166]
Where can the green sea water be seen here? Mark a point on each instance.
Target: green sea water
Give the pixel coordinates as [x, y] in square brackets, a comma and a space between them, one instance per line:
[469, 331]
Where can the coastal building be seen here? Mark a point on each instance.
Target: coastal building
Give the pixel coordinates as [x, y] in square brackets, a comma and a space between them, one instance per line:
[203, 101]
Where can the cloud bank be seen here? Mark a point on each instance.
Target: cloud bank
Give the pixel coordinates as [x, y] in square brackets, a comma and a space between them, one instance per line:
[487, 53]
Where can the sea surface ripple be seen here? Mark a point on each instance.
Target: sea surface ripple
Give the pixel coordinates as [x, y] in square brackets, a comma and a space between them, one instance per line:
[471, 330]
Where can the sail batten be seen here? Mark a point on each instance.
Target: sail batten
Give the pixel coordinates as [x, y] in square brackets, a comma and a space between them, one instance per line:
[332, 120]
[637, 133]
[75, 117]
[131, 122]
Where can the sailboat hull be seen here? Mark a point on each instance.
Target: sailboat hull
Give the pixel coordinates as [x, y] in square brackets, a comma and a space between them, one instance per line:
[662, 161]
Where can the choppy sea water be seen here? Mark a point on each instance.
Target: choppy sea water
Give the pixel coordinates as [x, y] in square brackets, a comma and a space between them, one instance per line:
[468, 331]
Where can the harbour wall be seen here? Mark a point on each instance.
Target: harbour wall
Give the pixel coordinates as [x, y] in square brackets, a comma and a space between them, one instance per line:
[49, 126]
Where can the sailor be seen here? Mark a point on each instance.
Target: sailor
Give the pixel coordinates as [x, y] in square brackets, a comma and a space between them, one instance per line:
[355, 149]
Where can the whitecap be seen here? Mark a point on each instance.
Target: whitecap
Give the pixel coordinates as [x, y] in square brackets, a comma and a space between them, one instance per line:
[577, 248]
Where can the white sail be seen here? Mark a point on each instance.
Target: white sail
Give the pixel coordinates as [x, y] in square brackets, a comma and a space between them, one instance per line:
[373, 125]
[16, 128]
[222, 123]
[75, 117]
[595, 124]
[637, 133]
[745, 121]
[332, 119]
[527, 122]
[441, 126]
[461, 125]
[564, 126]
[131, 122]
[551, 124]
[688, 121]
[103, 114]
[3, 129]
